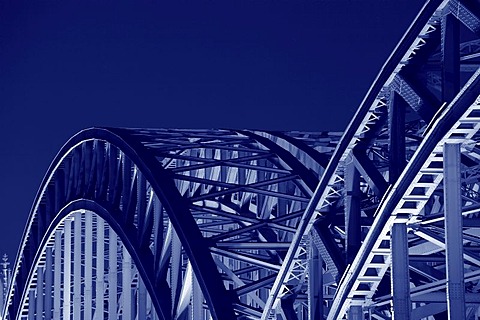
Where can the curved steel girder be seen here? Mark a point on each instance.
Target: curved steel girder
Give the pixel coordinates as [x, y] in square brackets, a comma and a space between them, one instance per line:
[387, 70]
[448, 118]
[143, 259]
[194, 244]
[356, 131]
[131, 143]
[442, 126]
[218, 299]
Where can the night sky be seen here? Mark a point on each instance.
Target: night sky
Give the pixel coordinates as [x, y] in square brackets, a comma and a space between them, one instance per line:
[276, 65]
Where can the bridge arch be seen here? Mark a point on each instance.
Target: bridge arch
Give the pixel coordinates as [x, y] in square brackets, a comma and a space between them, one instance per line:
[160, 196]
[55, 292]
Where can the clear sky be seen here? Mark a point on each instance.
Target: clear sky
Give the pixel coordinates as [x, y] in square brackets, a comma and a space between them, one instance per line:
[262, 64]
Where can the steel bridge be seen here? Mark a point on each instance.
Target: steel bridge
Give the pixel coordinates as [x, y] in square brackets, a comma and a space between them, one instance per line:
[380, 222]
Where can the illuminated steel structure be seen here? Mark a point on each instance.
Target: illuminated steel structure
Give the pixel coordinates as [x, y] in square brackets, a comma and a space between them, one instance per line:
[378, 223]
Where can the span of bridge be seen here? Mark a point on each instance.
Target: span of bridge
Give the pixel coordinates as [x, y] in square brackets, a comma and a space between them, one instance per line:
[380, 222]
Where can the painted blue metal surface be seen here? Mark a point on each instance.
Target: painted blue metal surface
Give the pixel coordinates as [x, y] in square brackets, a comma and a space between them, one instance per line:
[243, 224]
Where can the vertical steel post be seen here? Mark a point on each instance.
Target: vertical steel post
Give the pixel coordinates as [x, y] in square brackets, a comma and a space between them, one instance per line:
[149, 306]
[31, 304]
[100, 269]
[57, 275]
[141, 300]
[400, 274]
[48, 283]
[453, 231]
[112, 274]
[77, 265]
[315, 284]
[158, 229]
[39, 301]
[88, 266]
[352, 211]
[175, 269]
[67, 253]
[126, 285]
[396, 128]
[450, 57]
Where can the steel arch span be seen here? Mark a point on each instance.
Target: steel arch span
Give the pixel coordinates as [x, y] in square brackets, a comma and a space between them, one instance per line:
[381, 222]
[164, 224]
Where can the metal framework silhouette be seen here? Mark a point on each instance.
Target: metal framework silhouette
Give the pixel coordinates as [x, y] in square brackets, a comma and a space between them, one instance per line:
[380, 222]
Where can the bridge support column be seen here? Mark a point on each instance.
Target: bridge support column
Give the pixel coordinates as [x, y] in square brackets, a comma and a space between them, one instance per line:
[88, 266]
[77, 265]
[453, 232]
[112, 275]
[67, 252]
[352, 212]
[39, 300]
[400, 273]
[31, 304]
[315, 284]
[175, 268]
[141, 300]
[100, 269]
[48, 284]
[396, 128]
[450, 57]
[57, 275]
[126, 285]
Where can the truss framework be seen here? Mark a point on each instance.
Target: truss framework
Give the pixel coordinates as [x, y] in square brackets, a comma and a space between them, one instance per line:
[379, 223]
[205, 215]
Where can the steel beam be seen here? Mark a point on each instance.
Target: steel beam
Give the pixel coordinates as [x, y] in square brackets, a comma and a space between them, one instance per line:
[396, 135]
[141, 300]
[67, 266]
[419, 98]
[126, 284]
[40, 294]
[353, 226]
[100, 269]
[315, 284]
[175, 270]
[48, 283]
[400, 275]
[453, 231]
[31, 304]
[450, 57]
[77, 265]
[112, 274]
[57, 275]
[88, 261]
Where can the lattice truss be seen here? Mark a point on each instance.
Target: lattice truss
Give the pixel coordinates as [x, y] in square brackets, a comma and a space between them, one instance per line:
[384, 197]
[165, 224]
[380, 223]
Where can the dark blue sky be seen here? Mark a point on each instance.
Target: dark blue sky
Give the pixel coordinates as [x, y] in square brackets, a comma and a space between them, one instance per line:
[277, 65]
